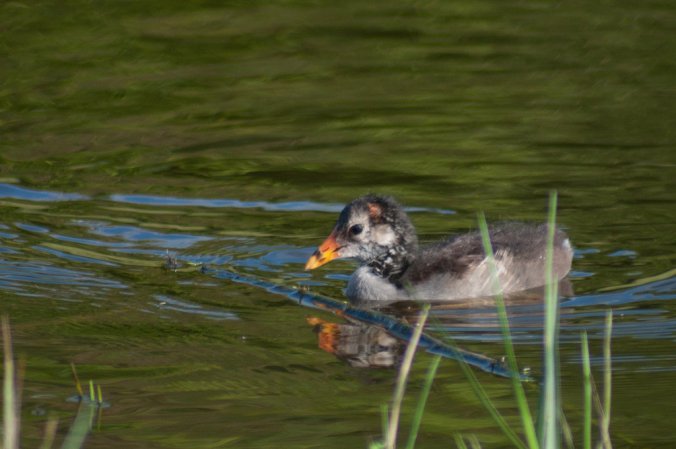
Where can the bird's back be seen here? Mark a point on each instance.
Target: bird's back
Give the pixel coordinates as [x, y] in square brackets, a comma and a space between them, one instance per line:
[458, 268]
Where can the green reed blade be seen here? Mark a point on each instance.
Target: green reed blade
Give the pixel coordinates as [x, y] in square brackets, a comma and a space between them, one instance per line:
[522, 403]
[551, 412]
[76, 379]
[422, 401]
[50, 432]
[384, 423]
[586, 373]
[81, 427]
[607, 381]
[400, 389]
[474, 442]
[459, 441]
[481, 394]
[11, 413]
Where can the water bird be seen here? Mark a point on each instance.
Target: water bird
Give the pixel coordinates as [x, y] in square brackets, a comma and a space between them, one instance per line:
[376, 231]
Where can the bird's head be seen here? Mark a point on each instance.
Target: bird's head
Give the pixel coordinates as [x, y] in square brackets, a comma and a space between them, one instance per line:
[369, 229]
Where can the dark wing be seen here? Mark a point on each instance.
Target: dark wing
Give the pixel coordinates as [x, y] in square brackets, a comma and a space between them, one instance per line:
[523, 244]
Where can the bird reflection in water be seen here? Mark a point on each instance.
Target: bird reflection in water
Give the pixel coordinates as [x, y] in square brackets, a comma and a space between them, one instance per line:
[364, 345]
[361, 345]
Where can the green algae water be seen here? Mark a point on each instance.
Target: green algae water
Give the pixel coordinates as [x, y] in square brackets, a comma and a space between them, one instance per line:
[230, 134]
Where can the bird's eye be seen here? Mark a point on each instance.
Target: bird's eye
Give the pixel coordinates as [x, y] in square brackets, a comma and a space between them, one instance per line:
[356, 229]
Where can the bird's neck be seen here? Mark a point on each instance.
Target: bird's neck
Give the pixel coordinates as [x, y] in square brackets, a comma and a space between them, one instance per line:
[392, 264]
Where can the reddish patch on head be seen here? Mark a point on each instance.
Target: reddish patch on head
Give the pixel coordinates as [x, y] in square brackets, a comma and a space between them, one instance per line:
[375, 211]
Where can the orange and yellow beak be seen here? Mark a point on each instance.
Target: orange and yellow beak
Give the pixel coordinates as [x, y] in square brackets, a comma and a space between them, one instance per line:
[326, 252]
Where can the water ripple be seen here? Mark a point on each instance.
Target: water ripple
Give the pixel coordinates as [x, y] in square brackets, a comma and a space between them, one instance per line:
[138, 234]
[287, 206]
[22, 193]
[166, 303]
[23, 275]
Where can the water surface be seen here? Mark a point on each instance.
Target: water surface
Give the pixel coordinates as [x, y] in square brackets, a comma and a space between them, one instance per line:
[231, 136]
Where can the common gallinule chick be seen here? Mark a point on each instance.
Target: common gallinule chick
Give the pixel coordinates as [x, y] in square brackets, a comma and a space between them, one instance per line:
[377, 232]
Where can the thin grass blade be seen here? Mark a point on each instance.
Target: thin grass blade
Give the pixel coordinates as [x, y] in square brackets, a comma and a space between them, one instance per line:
[551, 411]
[524, 409]
[384, 422]
[459, 441]
[566, 431]
[474, 442]
[76, 379]
[50, 433]
[400, 389]
[607, 382]
[424, 394]
[587, 384]
[81, 426]
[490, 407]
[11, 413]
